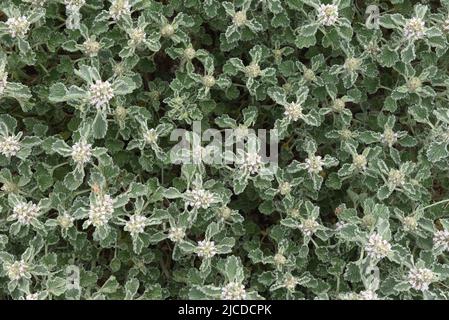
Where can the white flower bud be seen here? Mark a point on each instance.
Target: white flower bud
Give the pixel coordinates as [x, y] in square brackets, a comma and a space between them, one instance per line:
[65, 221]
[119, 8]
[91, 47]
[189, 53]
[410, 223]
[167, 31]
[360, 161]
[137, 36]
[81, 152]
[199, 198]
[32, 296]
[17, 270]
[233, 291]
[414, 29]
[290, 282]
[389, 137]
[10, 145]
[314, 164]
[368, 295]
[25, 212]
[136, 224]
[101, 93]
[396, 178]
[253, 70]
[327, 14]
[420, 278]
[309, 74]
[176, 234]
[73, 6]
[279, 259]
[414, 84]
[376, 247]
[18, 26]
[206, 249]
[293, 111]
[352, 64]
[309, 227]
[239, 18]
[285, 188]
[441, 239]
[252, 163]
[101, 211]
[208, 81]
[150, 136]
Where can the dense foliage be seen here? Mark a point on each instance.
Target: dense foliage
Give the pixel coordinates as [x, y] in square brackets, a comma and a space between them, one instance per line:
[92, 205]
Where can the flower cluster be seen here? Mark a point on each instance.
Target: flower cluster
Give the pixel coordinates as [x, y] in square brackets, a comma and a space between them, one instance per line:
[25, 212]
[100, 212]
[376, 247]
[199, 198]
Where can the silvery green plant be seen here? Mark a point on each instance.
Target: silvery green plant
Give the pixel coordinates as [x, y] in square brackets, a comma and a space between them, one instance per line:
[107, 190]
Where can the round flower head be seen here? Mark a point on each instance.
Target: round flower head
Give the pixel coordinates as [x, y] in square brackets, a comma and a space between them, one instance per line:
[420, 278]
[17, 270]
[389, 137]
[290, 282]
[239, 19]
[208, 81]
[252, 163]
[352, 64]
[101, 93]
[137, 36]
[81, 152]
[414, 29]
[253, 70]
[368, 295]
[74, 5]
[25, 212]
[150, 136]
[189, 53]
[200, 198]
[206, 249]
[376, 247]
[293, 111]
[360, 161]
[396, 177]
[285, 188]
[65, 220]
[441, 239]
[233, 291]
[9, 145]
[279, 259]
[119, 8]
[91, 47]
[309, 227]
[176, 234]
[136, 224]
[18, 26]
[410, 223]
[167, 31]
[32, 296]
[309, 75]
[101, 212]
[314, 164]
[327, 14]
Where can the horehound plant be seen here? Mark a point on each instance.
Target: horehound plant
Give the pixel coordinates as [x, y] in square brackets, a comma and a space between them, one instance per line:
[96, 96]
